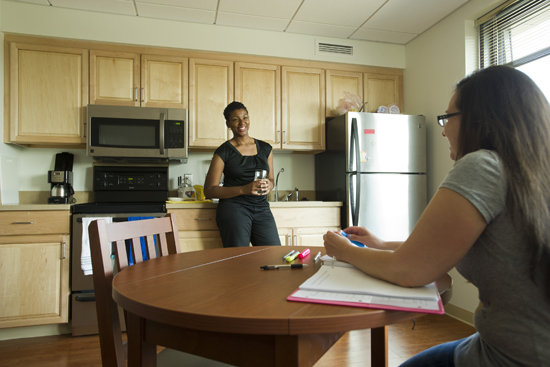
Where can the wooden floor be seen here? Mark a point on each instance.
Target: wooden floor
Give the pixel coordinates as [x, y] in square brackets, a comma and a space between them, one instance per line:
[353, 349]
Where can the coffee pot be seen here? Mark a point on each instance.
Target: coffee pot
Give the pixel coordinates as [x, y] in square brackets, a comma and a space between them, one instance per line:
[61, 180]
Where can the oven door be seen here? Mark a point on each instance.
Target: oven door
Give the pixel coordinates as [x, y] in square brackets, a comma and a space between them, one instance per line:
[83, 307]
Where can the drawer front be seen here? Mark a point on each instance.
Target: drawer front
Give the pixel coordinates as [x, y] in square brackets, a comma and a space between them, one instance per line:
[34, 222]
[195, 219]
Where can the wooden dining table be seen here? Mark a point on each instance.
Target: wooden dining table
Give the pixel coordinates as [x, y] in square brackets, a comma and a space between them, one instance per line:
[219, 304]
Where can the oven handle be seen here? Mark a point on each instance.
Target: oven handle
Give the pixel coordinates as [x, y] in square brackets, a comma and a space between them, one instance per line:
[84, 299]
[161, 133]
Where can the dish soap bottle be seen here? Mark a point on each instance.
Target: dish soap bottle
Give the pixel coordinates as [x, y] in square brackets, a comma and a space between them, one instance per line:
[188, 190]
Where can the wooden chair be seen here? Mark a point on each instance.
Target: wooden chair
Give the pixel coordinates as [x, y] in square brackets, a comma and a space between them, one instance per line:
[113, 350]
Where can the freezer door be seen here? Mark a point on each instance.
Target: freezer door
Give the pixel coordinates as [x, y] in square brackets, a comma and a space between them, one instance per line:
[386, 143]
[389, 205]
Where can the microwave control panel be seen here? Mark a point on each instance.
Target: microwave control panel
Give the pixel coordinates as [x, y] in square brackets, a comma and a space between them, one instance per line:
[115, 178]
[174, 134]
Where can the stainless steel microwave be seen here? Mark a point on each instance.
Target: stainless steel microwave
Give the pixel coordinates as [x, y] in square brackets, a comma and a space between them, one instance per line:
[122, 133]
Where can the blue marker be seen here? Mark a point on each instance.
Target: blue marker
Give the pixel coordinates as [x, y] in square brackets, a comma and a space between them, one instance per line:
[356, 243]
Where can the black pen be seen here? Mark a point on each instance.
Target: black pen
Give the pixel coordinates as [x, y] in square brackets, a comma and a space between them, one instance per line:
[289, 266]
[290, 253]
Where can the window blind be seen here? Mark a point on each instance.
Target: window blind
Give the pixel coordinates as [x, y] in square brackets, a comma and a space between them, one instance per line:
[515, 33]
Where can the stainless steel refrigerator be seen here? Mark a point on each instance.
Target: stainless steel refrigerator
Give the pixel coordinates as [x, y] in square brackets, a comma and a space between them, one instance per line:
[376, 164]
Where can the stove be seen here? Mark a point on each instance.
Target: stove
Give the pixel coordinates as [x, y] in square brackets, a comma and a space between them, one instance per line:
[121, 193]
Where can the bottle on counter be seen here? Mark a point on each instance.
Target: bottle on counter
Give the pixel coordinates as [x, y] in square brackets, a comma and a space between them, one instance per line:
[188, 191]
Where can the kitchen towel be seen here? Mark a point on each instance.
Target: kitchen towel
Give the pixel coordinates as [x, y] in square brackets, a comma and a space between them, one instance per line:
[141, 240]
[85, 255]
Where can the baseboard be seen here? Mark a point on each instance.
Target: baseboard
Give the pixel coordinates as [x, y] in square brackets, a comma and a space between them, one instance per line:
[34, 331]
[459, 314]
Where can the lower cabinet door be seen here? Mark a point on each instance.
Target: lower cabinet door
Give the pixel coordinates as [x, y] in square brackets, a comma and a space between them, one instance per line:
[311, 237]
[34, 280]
[199, 240]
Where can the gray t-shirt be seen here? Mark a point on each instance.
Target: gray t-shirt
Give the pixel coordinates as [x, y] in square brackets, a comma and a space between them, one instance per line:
[513, 324]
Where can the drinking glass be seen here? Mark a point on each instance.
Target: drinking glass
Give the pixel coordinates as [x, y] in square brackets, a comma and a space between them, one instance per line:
[259, 175]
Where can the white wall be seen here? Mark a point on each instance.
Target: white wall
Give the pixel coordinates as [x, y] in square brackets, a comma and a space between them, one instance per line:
[436, 61]
[30, 19]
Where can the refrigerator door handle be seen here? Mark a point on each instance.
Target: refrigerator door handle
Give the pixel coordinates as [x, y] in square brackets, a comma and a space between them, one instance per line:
[355, 198]
[356, 157]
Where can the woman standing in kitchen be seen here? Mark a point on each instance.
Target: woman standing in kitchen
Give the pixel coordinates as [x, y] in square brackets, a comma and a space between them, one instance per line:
[490, 218]
[243, 215]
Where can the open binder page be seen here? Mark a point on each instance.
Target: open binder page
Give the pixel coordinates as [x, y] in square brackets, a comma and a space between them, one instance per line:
[363, 300]
[348, 286]
[352, 280]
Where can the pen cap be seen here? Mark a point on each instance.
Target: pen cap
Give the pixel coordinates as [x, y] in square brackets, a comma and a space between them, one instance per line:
[303, 253]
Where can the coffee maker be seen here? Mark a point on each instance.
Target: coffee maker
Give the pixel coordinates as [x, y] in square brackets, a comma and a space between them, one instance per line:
[61, 179]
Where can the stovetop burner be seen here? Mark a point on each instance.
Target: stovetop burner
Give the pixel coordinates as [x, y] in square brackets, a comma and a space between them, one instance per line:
[117, 208]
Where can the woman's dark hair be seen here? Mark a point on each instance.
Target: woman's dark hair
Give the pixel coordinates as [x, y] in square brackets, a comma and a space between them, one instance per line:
[232, 107]
[503, 110]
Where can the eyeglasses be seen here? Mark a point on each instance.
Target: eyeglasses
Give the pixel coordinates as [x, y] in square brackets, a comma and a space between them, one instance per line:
[443, 119]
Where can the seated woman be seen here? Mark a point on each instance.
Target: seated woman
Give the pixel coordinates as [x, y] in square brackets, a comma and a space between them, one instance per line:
[490, 218]
[243, 215]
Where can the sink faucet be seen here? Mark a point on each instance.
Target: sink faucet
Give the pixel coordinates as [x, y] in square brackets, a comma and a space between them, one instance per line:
[296, 193]
[288, 197]
[277, 185]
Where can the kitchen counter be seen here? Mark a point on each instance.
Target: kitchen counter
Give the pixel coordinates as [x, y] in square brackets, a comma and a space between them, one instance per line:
[34, 207]
[272, 204]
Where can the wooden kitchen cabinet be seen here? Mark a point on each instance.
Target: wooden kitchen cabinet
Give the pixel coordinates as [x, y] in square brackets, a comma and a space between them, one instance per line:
[303, 108]
[339, 82]
[258, 87]
[382, 90]
[210, 91]
[34, 268]
[47, 90]
[305, 226]
[131, 79]
[197, 229]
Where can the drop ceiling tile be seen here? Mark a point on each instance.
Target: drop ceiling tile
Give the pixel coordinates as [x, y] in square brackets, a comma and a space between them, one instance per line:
[317, 29]
[282, 9]
[412, 16]
[193, 4]
[383, 36]
[351, 13]
[125, 7]
[175, 13]
[249, 21]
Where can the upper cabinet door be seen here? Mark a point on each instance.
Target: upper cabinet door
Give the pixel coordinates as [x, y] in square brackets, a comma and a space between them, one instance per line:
[303, 105]
[48, 93]
[339, 82]
[164, 81]
[114, 78]
[383, 90]
[210, 91]
[258, 87]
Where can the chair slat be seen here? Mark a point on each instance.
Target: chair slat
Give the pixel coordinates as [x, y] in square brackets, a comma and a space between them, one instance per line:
[163, 245]
[150, 247]
[136, 250]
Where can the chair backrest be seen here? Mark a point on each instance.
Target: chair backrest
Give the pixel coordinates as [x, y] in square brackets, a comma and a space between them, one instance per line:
[102, 235]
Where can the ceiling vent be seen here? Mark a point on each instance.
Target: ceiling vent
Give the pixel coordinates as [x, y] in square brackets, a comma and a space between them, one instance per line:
[324, 48]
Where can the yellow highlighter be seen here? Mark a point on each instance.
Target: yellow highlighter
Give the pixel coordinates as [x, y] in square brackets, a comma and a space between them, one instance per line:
[292, 257]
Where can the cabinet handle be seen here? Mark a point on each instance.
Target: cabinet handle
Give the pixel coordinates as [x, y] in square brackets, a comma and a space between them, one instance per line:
[84, 131]
[203, 218]
[284, 137]
[23, 223]
[289, 239]
[63, 250]
[142, 94]
[135, 94]
[277, 140]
